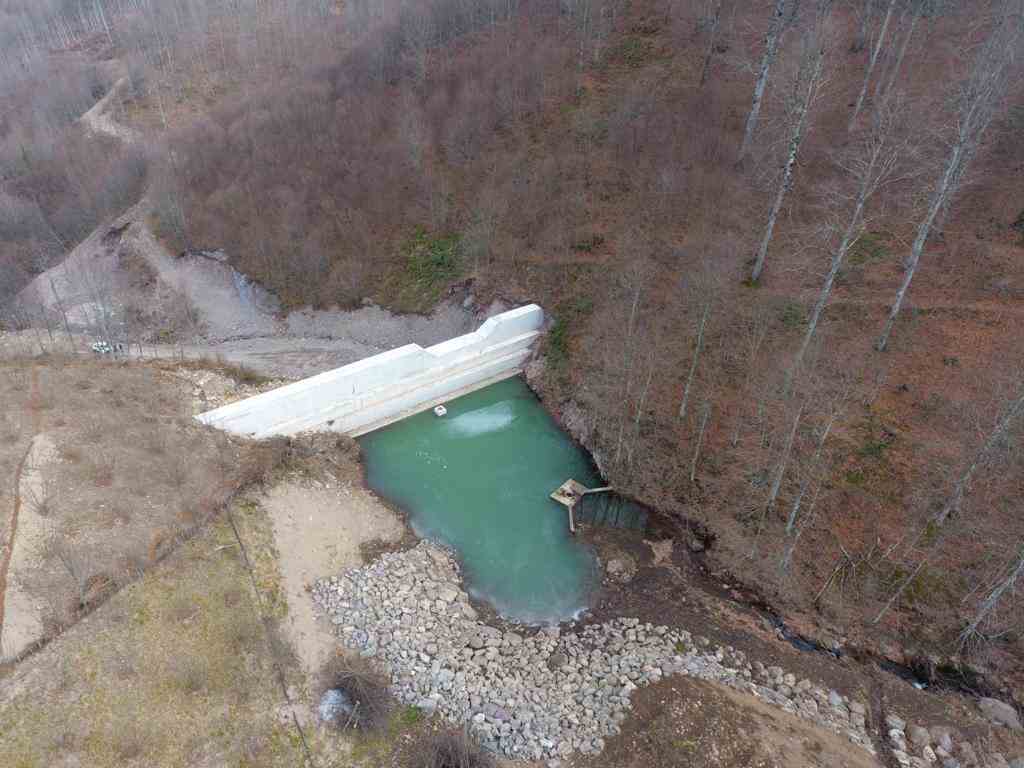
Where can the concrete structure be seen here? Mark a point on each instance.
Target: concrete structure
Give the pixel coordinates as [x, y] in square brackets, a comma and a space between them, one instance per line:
[371, 393]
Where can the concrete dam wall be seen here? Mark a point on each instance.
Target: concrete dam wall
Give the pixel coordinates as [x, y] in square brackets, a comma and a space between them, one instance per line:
[371, 393]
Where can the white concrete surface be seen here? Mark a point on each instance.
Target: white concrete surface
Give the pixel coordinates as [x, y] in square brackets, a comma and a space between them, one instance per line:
[378, 390]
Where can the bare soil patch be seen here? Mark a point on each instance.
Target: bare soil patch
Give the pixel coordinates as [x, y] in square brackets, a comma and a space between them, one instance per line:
[320, 528]
[686, 723]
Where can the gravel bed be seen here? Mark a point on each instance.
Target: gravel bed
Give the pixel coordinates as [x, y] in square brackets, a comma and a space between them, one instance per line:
[536, 694]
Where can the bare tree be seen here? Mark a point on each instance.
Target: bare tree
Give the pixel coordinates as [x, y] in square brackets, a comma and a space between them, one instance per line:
[787, 450]
[812, 471]
[702, 325]
[883, 33]
[755, 331]
[985, 610]
[784, 13]
[806, 86]
[63, 313]
[913, 13]
[704, 292]
[806, 521]
[934, 528]
[705, 415]
[865, 10]
[976, 103]
[869, 165]
[639, 410]
[995, 437]
[633, 282]
[712, 22]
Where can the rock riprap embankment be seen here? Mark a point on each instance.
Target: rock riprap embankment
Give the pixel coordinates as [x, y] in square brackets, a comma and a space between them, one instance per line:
[545, 695]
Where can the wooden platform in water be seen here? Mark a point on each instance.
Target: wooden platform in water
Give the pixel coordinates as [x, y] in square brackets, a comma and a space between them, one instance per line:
[569, 493]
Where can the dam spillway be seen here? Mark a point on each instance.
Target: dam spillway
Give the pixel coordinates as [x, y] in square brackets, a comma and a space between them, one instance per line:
[378, 390]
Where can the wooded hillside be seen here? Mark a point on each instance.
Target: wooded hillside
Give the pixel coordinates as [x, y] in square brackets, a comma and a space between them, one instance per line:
[781, 242]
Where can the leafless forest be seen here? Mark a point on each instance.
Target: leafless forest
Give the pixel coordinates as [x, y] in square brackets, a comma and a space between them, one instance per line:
[782, 242]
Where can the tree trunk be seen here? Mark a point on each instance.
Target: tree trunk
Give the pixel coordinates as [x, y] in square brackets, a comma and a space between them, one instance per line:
[883, 92]
[991, 602]
[795, 511]
[800, 124]
[872, 60]
[755, 337]
[103, 19]
[860, 40]
[849, 237]
[952, 504]
[899, 592]
[640, 410]
[627, 368]
[696, 359]
[63, 313]
[780, 473]
[771, 49]
[979, 97]
[700, 439]
[942, 191]
[712, 39]
[963, 483]
[788, 555]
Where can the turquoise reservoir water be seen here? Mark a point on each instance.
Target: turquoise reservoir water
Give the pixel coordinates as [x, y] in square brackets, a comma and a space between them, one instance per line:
[478, 480]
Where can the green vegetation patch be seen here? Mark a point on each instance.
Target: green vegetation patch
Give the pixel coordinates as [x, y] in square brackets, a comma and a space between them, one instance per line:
[874, 448]
[870, 469]
[930, 586]
[855, 477]
[793, 314]
[871, 246]
[588, 244]
[635, 52]
[568, 315]
[430, 263]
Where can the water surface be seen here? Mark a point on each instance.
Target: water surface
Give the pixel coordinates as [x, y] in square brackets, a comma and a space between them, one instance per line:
[478, 481]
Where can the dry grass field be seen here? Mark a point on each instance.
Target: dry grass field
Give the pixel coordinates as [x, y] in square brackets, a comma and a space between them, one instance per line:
[177, 669]
[103, 471]
[144, 545]
[190, 665]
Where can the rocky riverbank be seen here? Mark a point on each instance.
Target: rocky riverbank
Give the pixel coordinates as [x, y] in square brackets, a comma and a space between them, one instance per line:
[537, 694]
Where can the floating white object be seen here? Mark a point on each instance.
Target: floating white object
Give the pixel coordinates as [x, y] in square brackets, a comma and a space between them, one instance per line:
[440, 410]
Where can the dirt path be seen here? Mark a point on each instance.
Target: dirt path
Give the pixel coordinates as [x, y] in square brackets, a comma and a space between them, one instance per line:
[21, 623]
[319, 530]
[238, 320]
[98, 119]
[20, 620]
[8, 553]
[991, 307]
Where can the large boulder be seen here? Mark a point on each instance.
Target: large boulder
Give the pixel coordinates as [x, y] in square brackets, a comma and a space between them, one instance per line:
[919, 737]
[1001, 713]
